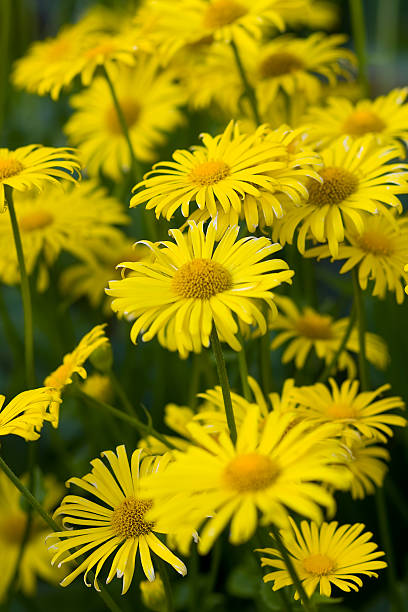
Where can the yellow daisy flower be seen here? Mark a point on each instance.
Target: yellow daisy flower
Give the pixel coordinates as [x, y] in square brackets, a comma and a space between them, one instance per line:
[31, 166]
[193, 285]
[266, 471]
[386, 118]
[353, 411]
[318, 15]
[356, 177]
[116, 524]
[150, 100]
[324, 555]
[52, 222]
[308, 330]
[153, 594]
[99, 386]
[366, 462]
[25, 414]
[379, 253]
[36, 558]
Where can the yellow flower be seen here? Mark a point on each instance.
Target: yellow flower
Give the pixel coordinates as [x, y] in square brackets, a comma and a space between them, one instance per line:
[36, 559]
[25, 414]
[308, 330]
[73, 363]
[153, 594]
[353, 411]
[270, 471]
[31, 166]
[192, 285]
[386, 118]
[98, 386]
[52, 222]
[365, 460]
[150, 100]
[324, 555]
[116, 524]
[318, 15]
[356, 177]
[379, 253]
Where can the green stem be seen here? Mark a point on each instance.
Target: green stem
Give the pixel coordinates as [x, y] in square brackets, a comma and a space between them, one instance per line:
[249, 91]
[360, 42]
[25, 293]
[243, 369]
[223, 378]
[360, 314]
[167, 585]
[121, 393]
[307, 604]
[332, 364]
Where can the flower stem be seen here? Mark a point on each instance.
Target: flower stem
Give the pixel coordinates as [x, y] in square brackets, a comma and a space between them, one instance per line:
[360, 314]
[223, 378]
[332, 364]
[243, 369]
[307, 604]
[360, 42]
[167, 585]
[121, 393]
[249, 91]
[25, 293]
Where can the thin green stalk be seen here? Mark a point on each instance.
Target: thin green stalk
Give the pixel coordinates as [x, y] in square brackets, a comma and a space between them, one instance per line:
[35, 504]
[223, 378]
[360, 42]
[307, 604]
[121, 393]
[360, 314]
[25, 293]
[332, 364]
[167, 585]
[249, 91]
[243, 369]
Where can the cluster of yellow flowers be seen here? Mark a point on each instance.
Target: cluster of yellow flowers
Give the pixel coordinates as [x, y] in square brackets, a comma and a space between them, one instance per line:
[292, 164]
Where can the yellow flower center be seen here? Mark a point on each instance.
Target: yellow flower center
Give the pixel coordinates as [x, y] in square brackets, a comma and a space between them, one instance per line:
[376, 243]
[363, 122]
[209, 172]
[131, 112]
[319, 565]
[277, 64]
[341, 410]
[59, 48]
[127, 519]
[201, 279]
[10, 167]
[37, 219]
[59, 378]
[315, 326]
[338, 184]
[250, 472]
[221, 13]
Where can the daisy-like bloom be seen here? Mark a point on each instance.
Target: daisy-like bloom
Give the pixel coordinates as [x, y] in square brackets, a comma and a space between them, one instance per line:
[386, 118]
[366, 462]
[25, 414]
[353, 411]
[13, 519]
[117, 524]
[266, 472]
[73, 363]
[193, 284]
[318, 15]
[150, 100]
[356, 177]
[31, 166]
[324, 555]
[98, 386]
[153, 594]
[55, 221]
[307, 330]
[379, 253]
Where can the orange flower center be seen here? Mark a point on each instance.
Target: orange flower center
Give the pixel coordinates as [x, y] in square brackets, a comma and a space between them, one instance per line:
[338, 184]
[341, 410]
[319, 565]
[10, 167]
[209, 173]
[37, 219]
[221, 13]
[277, 64]
[363, 122]
[315, 326]
[250, 472]
[375, 243]
[127, 519]
[201, 279]
[131, 112]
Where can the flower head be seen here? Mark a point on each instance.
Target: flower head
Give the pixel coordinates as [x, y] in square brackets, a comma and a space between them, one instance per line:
[25, 414]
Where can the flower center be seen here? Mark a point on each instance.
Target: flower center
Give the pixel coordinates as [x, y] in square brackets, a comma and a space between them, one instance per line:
[131, 112]
[376, 243]
[127, 519]
[277, 64]
[341, 410]
[37, 219]
[209, 172]
[319, 565]
[315, 326]
[59, 378]
[223, 12]
[201, 279]
[338, 184]
[250, 472]
[10, 167]
[362, 122]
